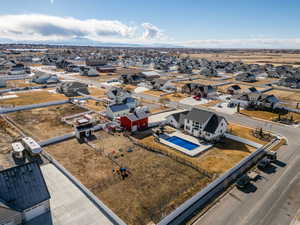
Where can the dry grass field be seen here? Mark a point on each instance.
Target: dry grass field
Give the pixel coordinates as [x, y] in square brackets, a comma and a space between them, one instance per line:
[19, 84]
[44, 123]
[215, 160]
[252, 57]
[7, 136]
[32, 97]
[154, 93]
[204, 82]
[259, 82]
[285, 95]
[97, 92]
[270, 115]
[244, 132]
[155, 185]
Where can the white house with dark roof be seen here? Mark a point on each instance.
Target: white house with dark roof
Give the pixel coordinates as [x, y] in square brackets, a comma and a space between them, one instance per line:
[23, 194]
[205, 124]
[176, 119]
[117, 110]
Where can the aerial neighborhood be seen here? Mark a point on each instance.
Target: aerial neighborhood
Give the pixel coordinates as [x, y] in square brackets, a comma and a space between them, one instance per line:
[137, 135]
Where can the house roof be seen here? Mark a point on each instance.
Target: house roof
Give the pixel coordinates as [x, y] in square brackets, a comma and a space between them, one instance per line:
[179, 116]
[150, 73]
[23, 186]
[252, 89]
[137, 116]
[199, 115]
[213, 123]
[118, 107]
[235, 87]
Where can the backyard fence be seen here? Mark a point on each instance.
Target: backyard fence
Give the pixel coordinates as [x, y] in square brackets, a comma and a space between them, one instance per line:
[202, 198]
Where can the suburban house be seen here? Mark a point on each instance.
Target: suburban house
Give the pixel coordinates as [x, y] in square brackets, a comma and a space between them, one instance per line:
[23, 194]
[19, 69]
[133, 79]
[106, 69]
[210, 72]
[252, 90]
[72, 89]
[199, 123]
[177, 119]
[246, 77]
[150, 75]
[234, 89]
[205, 124]
[135, 121]
[2, 83]
[198, 90]
[88, 71]
[256, 100]
[44, 78]
[117, 110]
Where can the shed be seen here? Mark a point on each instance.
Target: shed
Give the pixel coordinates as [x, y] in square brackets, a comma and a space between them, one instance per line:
[135, 121]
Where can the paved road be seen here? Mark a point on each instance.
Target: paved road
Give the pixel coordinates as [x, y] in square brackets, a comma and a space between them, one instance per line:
[274, 199]
[269, 203]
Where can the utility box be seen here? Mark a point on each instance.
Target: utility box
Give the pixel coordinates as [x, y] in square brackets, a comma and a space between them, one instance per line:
[18, 150]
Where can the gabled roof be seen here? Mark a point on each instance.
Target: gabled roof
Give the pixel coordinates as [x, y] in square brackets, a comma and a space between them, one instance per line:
[118, 107]
[137, 116]
[199, 115]
[213, 123]
[22, 187]
[179, 116]
[235, 87]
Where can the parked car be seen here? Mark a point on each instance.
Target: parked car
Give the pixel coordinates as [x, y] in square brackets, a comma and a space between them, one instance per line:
[243, 181]
[264, 163]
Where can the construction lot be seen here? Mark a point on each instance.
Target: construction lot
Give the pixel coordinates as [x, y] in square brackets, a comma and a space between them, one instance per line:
[155, 185]
[44, 123]
[30, 97]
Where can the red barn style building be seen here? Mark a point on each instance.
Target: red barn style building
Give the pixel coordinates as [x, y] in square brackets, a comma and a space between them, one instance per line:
[134, 121]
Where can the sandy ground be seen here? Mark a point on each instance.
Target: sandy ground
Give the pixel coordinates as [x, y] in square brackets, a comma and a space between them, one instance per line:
[44, 123]
[155, 185]
[32, 97]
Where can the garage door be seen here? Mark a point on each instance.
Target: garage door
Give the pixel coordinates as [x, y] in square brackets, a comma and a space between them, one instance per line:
[35, 212]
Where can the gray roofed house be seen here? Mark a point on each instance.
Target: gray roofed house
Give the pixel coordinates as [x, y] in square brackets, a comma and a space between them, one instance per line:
[45, 78]
[204, 124]
[23, 189]
[117, 110]
[72, 89]
[177, 119]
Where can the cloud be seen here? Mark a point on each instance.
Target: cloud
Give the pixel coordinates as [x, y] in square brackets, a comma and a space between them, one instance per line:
[51, 1]
[37, 27]
[244, 43]
[152, 32]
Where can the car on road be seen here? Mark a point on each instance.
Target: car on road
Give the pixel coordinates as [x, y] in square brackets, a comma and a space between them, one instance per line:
[243, 181]
[264, 163]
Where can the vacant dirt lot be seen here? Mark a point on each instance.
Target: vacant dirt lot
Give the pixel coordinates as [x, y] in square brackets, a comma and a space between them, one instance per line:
[286, 95]
[155, 185]
[44, 123]
[32, 97]
[260, 81]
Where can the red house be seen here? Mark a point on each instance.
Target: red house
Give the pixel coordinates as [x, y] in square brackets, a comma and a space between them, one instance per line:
[134, 121]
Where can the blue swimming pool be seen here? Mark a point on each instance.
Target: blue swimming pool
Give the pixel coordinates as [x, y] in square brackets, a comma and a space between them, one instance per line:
[182, 142]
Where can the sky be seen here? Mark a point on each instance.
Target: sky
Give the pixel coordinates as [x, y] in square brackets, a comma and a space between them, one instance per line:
[188, 23]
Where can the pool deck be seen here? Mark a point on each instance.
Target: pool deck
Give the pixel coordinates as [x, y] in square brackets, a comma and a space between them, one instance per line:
[202, 146]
